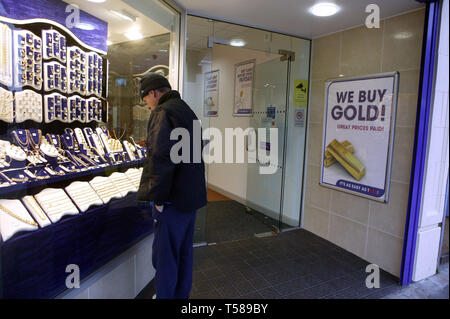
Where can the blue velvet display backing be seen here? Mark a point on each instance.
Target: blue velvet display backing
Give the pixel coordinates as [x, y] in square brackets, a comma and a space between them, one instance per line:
[34, 263]
[55, 10]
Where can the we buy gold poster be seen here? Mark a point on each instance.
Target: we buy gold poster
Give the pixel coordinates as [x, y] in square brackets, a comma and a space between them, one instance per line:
[358, 134]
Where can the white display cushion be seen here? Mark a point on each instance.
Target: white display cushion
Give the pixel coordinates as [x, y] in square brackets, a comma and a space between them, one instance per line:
[83, 195]
[10, 225]
[56, 203]
[6, 106]
[123, 183]
[28, 106]
[135, 175]
[105, 188]
[34, 209]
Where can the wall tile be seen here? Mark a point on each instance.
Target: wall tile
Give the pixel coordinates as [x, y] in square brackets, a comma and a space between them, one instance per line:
[316, 195]
[315, 144]
[402, 47]
[361, 51]
[317, 106]
[385, 251]
[391, 216]
[325, 58]
[316, 221]
[407, 110]
[409, 81]
[348, 235]
[350, 206]
[402, 156]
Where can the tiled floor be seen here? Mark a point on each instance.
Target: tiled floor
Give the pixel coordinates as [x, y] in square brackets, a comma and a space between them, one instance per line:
[292, 265]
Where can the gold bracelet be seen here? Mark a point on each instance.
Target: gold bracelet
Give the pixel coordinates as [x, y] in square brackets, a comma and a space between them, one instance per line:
[10, 213]
[32, 202]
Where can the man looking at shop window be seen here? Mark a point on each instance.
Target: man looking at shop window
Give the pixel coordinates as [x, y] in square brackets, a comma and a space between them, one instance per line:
[175, 191]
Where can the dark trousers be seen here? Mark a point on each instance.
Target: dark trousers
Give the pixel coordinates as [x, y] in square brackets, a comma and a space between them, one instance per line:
[173, 252]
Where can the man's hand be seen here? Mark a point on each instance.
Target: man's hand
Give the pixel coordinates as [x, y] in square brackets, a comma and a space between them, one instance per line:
[159, 208]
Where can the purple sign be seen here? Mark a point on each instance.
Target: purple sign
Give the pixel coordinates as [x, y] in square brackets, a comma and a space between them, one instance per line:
[55, 10]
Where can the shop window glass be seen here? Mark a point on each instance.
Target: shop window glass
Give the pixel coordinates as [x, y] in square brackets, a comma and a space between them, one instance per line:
[72, 133]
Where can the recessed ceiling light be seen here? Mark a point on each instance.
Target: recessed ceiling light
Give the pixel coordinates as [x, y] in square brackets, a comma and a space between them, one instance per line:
[97, 1]
[85, 26]
[324, 9]
[403, 35]
[124, 15]
[134, 35]
[237, 43]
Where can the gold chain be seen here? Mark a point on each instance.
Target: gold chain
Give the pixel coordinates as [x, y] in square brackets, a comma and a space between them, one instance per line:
[10, 213]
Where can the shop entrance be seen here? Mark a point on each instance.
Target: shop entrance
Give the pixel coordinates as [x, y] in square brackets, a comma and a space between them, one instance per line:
[245, 198]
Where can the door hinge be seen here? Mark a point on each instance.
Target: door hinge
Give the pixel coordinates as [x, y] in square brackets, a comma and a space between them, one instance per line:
[287, 55]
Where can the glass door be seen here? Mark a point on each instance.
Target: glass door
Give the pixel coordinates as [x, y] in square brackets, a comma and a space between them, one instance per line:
[265, 177]
[249, 193]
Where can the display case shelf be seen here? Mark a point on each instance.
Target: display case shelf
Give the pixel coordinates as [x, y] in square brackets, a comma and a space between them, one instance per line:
[29, 187]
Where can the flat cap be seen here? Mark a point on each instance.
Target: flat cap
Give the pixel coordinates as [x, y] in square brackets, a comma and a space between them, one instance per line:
[153, 81]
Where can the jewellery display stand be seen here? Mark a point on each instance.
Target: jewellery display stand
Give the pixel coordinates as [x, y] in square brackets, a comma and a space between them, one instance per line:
[6, 74]
[36, 211]
[6, 106]
[28, 57]
[14, 218]
[55, 203]
[134, 175]
[83, 195]
[105, 188]
[64, 195]
[122, 183]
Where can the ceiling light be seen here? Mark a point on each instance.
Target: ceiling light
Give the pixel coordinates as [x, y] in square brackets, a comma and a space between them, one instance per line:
[97, 1]
[403, 35]
[237, 43]
[134, 35]
[324, 9]
[163, 50]
[124, 15]
[85, 26]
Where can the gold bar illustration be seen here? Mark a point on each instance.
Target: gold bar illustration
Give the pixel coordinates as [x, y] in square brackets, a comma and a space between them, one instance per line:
[330, 160]
[347, 159]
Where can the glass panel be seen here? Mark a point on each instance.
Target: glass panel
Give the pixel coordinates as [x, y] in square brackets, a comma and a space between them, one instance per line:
[198, 65]
[264, 191]
[239, 183]
[72, 133]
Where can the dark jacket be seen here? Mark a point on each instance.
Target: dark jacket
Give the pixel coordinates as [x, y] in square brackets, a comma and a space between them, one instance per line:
[182, 184]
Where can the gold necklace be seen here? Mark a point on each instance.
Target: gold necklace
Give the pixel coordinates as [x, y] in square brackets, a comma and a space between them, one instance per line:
[35, 145]
[10, 213]
[19, 141]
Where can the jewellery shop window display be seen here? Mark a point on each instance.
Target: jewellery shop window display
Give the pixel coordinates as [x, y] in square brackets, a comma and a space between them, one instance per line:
[58, 157]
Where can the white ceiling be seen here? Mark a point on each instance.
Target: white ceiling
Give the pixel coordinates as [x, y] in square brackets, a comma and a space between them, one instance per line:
[292, 16]
[117, 27]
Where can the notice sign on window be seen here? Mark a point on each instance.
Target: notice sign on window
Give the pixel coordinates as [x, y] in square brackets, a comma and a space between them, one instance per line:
[358, 134]
[211, 94]
[243, 89]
